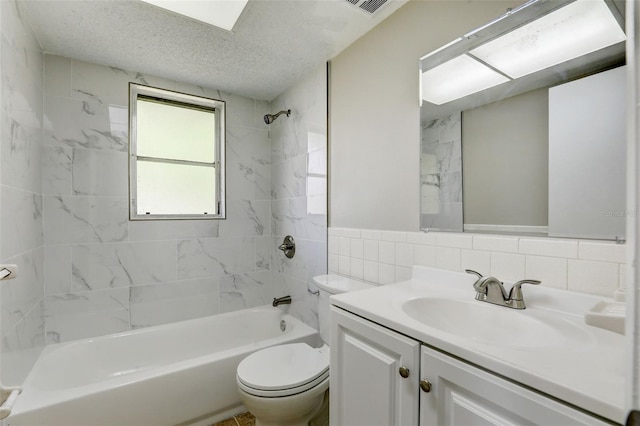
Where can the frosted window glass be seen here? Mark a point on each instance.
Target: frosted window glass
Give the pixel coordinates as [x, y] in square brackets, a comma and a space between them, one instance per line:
[165, 188]
[177, 161]
[175, 132]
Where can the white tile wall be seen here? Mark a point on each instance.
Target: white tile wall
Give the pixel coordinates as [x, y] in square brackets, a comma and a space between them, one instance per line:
[578, 265]
[21, 313]
[104, 273]
[299, 194]
[387, 252]
[449, 258]
[507, 266]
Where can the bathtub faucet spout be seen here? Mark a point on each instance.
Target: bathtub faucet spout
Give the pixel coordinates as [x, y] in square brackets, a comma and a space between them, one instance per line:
[285, 300]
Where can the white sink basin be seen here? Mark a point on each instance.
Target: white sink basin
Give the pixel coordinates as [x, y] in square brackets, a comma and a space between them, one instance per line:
[492, 324]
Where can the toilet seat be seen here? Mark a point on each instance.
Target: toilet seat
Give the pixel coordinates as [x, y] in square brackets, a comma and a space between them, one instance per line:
[283, 370]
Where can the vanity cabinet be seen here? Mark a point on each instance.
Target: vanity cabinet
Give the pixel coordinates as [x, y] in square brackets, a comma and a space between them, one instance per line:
[462, 394]
[368, 385]
[368, 363]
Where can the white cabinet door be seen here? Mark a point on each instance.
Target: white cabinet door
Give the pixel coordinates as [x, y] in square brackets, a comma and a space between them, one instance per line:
[366, 386]
[462, 394]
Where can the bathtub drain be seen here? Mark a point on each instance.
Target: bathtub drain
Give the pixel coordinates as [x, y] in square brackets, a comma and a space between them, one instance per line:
[283, 325]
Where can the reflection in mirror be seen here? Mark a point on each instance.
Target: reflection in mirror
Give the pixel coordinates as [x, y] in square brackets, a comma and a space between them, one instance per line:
[488, 112]
[441, 173]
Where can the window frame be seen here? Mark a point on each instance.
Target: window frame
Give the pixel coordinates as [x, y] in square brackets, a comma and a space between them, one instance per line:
[137, 91]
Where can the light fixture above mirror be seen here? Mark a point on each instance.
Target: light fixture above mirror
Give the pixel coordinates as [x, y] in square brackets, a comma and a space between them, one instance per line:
[456, 78]
[536, 36]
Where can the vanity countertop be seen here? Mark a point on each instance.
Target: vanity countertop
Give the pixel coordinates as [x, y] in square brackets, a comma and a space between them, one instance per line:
[574, 362]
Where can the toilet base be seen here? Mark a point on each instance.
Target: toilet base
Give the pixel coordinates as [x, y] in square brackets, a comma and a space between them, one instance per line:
[321, 417]
[296, 410]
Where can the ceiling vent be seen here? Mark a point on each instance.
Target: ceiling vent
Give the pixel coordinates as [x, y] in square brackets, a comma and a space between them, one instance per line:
[369, 6]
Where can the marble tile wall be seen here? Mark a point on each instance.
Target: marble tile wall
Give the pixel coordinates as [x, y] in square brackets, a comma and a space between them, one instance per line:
[85, 270]
[441, 174]
[299, 192]
[105, 274]
[384, 257]
[21, 232]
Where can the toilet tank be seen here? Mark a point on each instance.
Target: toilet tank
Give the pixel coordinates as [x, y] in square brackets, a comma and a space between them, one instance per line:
[329, 285]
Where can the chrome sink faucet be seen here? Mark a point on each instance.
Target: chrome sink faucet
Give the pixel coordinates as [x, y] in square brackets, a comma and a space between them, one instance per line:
[490, 289]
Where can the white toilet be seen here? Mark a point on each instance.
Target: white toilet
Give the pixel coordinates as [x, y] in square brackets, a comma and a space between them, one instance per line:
[287, 385]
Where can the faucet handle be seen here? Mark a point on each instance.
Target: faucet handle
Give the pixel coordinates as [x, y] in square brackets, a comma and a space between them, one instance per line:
[516, 290]
[471, 271]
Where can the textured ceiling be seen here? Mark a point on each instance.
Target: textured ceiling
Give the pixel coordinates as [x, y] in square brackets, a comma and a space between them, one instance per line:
[273, 45]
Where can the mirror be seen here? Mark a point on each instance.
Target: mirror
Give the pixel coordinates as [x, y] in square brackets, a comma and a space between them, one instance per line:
[492, 157]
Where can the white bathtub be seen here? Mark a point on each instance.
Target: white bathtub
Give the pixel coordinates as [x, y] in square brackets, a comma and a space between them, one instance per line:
[180, 373]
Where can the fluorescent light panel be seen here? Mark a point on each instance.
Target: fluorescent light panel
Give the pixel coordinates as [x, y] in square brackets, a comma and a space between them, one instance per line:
[459, 77]
[220, 13]
[577, 29]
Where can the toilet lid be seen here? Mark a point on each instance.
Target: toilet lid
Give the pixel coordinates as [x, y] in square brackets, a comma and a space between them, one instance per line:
[284, 367]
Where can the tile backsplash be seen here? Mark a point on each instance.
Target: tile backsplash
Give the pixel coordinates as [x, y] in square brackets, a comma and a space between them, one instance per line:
[384, 257]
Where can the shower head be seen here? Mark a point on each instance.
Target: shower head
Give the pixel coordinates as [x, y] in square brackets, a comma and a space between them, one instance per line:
[270, 118]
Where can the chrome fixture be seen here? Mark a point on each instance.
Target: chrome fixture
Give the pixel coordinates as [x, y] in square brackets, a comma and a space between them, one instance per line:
[284, 300]
[288, 246]
[515, 295]
[490, 289]
[270, 118]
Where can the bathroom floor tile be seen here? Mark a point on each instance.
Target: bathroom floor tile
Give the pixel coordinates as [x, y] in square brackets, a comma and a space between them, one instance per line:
[245, 419]
[228, 422]
[242, 419]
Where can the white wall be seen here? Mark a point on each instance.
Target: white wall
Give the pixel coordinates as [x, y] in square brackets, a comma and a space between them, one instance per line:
[374, 112]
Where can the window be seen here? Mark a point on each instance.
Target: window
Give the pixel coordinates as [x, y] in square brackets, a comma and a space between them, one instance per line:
[176, 150]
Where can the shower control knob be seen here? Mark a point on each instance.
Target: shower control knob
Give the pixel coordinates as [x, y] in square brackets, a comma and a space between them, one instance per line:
[404, 372]
[425, 386]
[288, 246]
